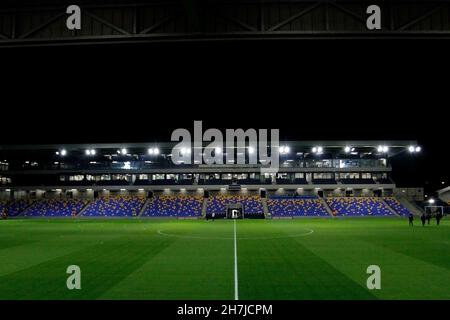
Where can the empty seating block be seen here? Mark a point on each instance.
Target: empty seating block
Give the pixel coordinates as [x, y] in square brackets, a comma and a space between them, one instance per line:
[174, 206]
[55, 208]
[250, 204]
[13, 207]
[296, 207]
[116, 206]
[361, 206]
[397, 206]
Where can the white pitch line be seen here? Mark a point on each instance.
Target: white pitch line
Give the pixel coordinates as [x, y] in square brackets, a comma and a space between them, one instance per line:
[236, 291]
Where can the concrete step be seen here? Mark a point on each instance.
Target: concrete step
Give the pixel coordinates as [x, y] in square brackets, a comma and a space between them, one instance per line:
[416, 210]
[81, 213]
[147, 202]
[204, 207]
[390, 208]
[327, 207]
[267, 214]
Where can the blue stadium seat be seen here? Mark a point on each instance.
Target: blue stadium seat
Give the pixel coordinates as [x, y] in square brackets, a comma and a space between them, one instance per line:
[358, 206]
[174, 206]
[397, 206]
[55, 208]
[14, 207]
[252, 205]
[296, 206]
[115, 206]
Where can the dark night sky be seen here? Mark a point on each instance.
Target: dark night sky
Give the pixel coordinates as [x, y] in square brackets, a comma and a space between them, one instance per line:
[310, 90]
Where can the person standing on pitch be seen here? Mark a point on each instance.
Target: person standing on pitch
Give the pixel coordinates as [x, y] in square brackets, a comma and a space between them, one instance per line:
[213, 215]
[411, 219]
[438, 218]
[429, 218]
[423, 218]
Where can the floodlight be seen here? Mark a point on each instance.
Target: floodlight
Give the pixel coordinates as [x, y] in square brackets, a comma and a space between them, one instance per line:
[282, 149]
[431, 201]
[219, 150]
[314, 150]
[88, 152]
[347, 149]
[124, 151]
[418, 149]
[63, 152]
[93, 152]
[155, 151]
[380, 149]
[319, 149]
[251, 150]
[385, 149]
[287, 149]
[151, 151]
[126, 165]
[411, 149]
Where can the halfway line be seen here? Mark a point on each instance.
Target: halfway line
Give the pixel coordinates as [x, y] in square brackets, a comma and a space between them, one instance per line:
[236, 293]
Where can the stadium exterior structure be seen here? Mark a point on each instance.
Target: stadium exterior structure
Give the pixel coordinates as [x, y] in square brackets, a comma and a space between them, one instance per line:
[43, 22]
[87, 170]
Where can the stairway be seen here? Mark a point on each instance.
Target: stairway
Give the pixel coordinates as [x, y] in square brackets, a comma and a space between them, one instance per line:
[21, 214]
[326, 206]
[390, 208]
[204, 207]
[267, 214]
[416, 210]
[84, 208]
[147, 202]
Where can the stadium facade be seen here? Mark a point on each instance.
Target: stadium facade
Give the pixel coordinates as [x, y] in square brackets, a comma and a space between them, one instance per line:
[311, 174]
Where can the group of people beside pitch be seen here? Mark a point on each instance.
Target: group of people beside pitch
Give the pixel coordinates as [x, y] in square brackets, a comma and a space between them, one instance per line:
[426, 218]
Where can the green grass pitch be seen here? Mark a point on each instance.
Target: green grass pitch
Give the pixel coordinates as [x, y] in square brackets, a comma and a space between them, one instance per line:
[194, 259]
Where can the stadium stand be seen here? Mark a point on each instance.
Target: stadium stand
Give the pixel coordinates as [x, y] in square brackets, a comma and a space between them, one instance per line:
[14, 208]
[115, 206]
[213, 182]
[358, 206]
[384, 181]
[252, 205]
[120, 182]
[324, 181]
[357, 181]
[249, 181]
[78, 183]
[174, 206]
[397, 206]
[139, 182]
[185, 181]
[289, 181]
[163, 182]
[55, 208]
[284, 206]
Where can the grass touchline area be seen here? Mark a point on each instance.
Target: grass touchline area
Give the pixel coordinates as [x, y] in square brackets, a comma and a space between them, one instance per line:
[245, 259]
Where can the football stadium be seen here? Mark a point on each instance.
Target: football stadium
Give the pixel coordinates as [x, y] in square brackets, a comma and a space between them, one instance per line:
[139, 225]
[103, 195]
